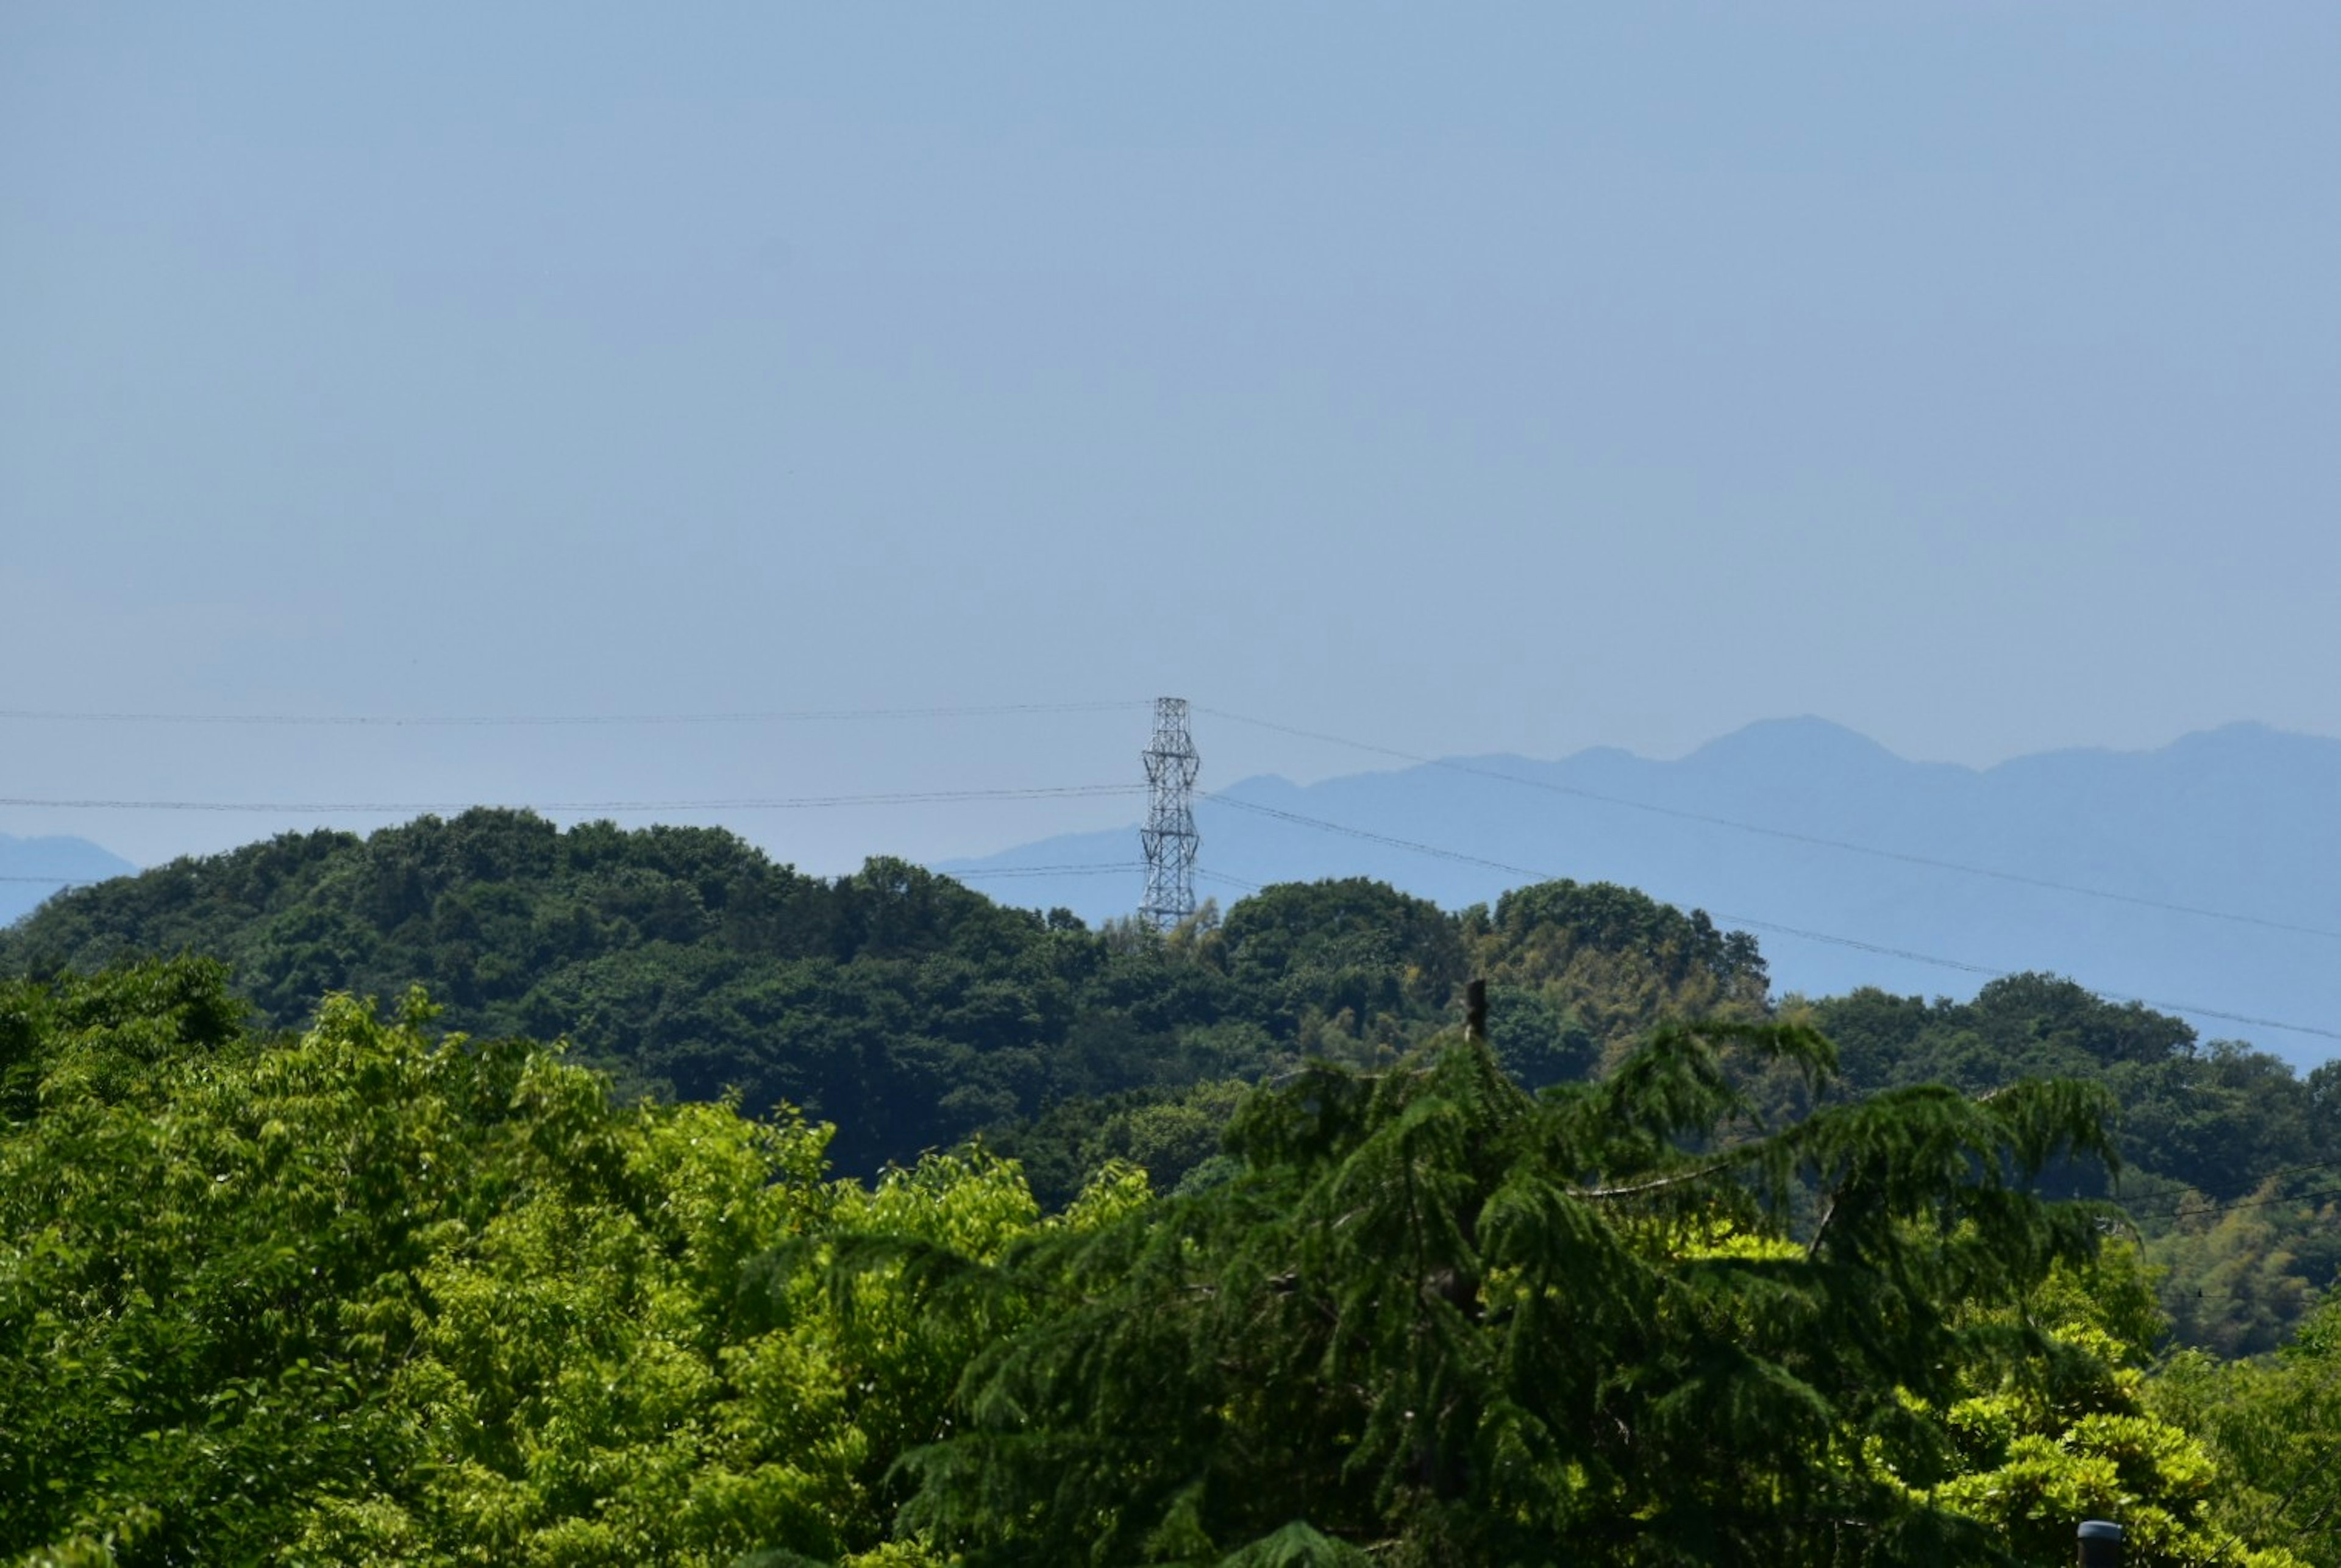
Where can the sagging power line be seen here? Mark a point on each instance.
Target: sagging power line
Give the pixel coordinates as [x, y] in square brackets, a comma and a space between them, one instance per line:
[1749, 921]
[473, 721]
[540, 721]
[2185, 1209]
[1226, 881]
[1848, 847]
[1118, 868]
[612, 807]
[1177, 834]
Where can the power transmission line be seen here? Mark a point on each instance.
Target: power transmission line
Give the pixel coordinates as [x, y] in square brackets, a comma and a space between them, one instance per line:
[2274, 1172]
[941, 796]
[800, 802]
[489, 721]
[1788, 834]
[2185, 1208]
[1749, 923]
[997, 709]
[1227, 881]
[1120, 868]
[1116, 868]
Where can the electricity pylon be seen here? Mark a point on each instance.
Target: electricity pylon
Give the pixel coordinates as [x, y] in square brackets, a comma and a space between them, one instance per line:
[1170, 837]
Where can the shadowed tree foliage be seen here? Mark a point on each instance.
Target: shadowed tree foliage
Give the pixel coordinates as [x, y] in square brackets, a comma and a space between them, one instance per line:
[1435, 1318]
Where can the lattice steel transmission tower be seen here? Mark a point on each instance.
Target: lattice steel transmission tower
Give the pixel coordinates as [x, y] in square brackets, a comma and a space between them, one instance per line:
[1169, 836]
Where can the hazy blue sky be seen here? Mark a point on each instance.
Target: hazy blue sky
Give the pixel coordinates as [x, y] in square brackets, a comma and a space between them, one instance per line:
[1469, 378]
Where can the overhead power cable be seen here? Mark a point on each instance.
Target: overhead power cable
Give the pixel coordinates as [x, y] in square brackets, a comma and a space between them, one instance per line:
[538, 721]
[1121, 868]
[2271, 1175]
[1748, 922]
[1790, 835]
[747, 802]
[53, 881]
[2184, 1208]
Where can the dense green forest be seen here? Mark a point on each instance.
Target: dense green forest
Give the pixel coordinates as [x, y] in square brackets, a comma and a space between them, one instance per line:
[912, 1013]
[895, 1003]
[863, 1220]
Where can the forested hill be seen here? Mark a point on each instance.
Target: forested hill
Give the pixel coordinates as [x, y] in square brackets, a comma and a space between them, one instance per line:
[895, 1002]
[915, 1011]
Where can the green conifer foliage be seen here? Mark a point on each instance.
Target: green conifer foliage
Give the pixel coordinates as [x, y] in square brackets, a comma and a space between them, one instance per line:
[1438, 1319]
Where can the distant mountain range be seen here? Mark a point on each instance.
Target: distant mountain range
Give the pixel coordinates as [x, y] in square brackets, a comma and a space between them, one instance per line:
[31, 868]
[2204, 877]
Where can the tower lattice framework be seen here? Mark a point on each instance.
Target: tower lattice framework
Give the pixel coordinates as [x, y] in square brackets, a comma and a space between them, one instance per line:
[1169, 838]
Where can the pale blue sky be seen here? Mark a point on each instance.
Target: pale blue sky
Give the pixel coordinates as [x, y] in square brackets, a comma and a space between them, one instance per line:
[1468, 378]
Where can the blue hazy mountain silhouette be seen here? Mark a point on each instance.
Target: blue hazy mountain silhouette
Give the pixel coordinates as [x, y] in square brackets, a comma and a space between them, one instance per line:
[2240, 820]
[31, 868]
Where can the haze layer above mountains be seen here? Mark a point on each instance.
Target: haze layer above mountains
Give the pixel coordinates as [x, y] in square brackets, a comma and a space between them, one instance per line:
[2240, 820]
